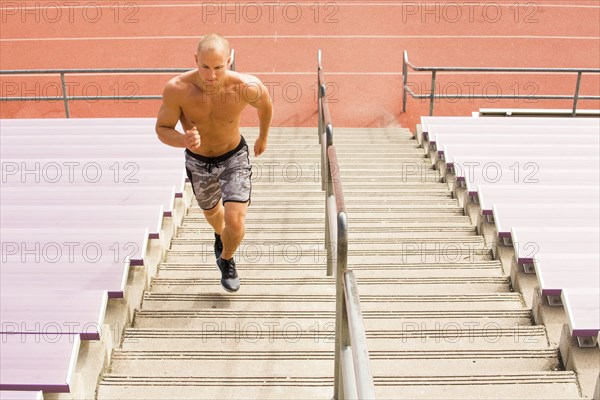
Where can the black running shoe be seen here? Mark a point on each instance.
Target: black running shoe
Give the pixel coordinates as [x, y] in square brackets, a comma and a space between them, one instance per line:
[229, 276]
[218, 246]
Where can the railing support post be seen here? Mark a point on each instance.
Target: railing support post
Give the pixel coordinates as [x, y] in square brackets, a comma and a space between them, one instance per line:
[576, 97]
[404, 79]
[65, 94]
[432, 95]
[342, 336]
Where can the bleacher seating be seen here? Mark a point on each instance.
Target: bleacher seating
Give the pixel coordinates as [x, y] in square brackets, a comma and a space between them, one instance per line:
[537, 179]
[81, 199]
[583, 310]
[483, 174]
[35, 361]
[21, 395]
[474, 151]
[511, 215]
[488, 194]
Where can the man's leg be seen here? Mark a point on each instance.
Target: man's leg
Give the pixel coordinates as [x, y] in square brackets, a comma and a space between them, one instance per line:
[215, 217]
[233, 231]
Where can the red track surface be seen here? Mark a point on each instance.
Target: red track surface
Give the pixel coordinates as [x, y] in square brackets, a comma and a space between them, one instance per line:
[362, 45]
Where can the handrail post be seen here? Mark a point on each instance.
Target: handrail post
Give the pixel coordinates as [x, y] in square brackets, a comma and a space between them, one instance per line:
[329, 202]
[432, 95]
[341, 314]
[65, 95]
[363, 377]
[232, 57]
[576, 98]
[404, 79]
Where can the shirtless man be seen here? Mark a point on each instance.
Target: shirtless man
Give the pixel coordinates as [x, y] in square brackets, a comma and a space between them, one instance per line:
[209, 101]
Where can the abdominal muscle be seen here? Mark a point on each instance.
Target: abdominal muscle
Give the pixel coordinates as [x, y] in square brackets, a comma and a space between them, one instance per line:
[215, 138]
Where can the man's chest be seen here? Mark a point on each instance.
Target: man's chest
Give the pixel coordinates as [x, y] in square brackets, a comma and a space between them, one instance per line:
[213, 107]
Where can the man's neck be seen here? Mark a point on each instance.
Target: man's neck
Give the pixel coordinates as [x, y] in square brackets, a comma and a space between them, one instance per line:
[209, 89]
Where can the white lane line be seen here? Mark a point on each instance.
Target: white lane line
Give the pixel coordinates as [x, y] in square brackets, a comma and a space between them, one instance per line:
[276, 37]
[311, 73]
[271, 4]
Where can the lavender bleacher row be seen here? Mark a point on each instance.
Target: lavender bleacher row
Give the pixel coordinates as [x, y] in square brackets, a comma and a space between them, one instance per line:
[537, 180]
[81, 200]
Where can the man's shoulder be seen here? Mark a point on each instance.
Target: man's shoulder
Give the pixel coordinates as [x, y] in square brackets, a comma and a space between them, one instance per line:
[180, 82]
[238, 78]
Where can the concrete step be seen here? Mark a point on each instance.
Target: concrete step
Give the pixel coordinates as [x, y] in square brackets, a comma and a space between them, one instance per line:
[222, 362]
[326, 303]
[540, 385]
[261, 253]
[446, 243]
[122, 387]
[290, 192]
[387, 179]
[310, 151]
[313, 196]
[316, 218]
[532, 385]
[187, 270]
[425, 204]
[459, 225]
[304, 319]
[399, 187]
[363, 224]
[426, 208]
[277, 336]
[442, 243]
[253, 232]
[307, 266]
[312, 139]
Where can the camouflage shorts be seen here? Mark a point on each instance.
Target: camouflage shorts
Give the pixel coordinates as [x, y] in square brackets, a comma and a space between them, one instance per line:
[226, 176]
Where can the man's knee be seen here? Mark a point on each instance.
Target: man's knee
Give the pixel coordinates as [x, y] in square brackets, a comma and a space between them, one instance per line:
[213, 211]
[235, 220]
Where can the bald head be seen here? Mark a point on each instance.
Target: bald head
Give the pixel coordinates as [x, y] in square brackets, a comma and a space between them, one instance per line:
[213, 43]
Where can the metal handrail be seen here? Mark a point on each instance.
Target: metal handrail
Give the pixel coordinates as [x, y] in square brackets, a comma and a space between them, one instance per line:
[65, 96]
[434, 70]
[352, 371]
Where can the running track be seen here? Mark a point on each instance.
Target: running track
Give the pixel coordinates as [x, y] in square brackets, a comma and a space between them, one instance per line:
[362, 44]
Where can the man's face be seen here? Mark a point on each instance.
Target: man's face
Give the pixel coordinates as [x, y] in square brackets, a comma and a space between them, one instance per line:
[212, 65]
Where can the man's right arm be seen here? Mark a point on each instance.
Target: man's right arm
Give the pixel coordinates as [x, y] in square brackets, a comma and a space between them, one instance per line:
[168, 116]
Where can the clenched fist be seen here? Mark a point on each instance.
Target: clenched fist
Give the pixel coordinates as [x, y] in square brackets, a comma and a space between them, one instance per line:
[192, 139]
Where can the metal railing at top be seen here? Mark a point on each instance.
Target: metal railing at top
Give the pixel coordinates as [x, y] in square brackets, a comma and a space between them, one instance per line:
[432, 95]
[352, 369]
[117, 71]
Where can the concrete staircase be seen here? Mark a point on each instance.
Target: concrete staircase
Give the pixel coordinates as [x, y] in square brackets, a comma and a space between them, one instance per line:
[441, 319]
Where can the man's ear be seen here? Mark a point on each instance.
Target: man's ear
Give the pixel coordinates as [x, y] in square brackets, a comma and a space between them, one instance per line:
[196, 58]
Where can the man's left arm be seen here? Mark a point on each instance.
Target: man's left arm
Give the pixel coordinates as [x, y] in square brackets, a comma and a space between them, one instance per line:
[258, 97]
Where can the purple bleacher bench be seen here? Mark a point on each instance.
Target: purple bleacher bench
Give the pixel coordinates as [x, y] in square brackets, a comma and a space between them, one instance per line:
[21, 395]
[78, 122]
[514, 170]
[488, 194]
[98, 216]
[33, 195]
[38, 362]
[426, 121]
[143, 150]
[541, 215]
[79, 274]
[529, 242]
[556, 271]
[53, 312]
[438, 140]
[498, 175]
[473, 152]
[583, 310]
[120, 139]
[63, 244]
